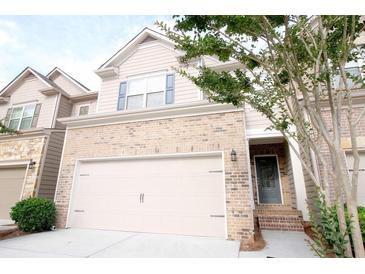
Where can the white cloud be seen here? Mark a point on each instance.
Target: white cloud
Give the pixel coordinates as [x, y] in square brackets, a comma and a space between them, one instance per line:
[9, 34]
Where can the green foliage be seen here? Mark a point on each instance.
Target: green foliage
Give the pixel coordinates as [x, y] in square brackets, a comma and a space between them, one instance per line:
[34, 214]
[361, 211]
[6, 130]
[328, 241]
[277, 53]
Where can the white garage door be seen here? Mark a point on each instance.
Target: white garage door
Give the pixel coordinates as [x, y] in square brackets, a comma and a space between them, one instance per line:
[11, 186]
[181, 195]
[361, 182]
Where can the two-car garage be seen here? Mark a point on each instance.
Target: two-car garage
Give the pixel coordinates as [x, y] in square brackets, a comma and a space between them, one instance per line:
[177, 194]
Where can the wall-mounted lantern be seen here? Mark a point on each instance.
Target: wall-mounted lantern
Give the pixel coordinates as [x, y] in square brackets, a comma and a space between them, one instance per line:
[31, 164]
[233, 155]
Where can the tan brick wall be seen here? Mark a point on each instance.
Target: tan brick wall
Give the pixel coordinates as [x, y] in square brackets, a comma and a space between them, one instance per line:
[25, 149]
[215, 132]
[345, 140]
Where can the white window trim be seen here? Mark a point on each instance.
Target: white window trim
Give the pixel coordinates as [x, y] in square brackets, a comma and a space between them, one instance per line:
[79, 108]
[23, 105]
[257, 187]
[144, 76]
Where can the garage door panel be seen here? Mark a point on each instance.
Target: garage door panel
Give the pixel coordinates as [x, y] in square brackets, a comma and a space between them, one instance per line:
[11, 186]
[180, 195]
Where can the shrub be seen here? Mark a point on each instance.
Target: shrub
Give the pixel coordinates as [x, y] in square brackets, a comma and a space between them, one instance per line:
[34, 214]
[328, 241]
[361, 211]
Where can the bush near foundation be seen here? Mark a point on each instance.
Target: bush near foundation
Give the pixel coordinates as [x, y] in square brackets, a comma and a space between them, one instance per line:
[34, 214]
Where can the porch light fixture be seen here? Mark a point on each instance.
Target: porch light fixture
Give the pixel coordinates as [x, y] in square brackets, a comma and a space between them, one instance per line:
[233, 155]
[31, 164]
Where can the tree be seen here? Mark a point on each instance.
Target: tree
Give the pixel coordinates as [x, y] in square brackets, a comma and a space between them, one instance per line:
[288, 64]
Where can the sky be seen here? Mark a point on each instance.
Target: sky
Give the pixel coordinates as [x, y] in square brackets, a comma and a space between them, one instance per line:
[76, 44]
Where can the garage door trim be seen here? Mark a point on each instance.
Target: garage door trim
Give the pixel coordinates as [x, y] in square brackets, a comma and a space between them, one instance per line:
[79, 161]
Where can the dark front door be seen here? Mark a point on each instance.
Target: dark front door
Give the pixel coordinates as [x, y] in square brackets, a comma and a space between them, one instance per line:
[267, 176]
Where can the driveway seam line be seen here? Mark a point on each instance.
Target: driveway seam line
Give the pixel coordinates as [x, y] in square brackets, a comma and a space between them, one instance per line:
[122, 240]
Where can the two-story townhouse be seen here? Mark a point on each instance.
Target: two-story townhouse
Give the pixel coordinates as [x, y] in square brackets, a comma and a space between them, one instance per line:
[31, 105]
[158, 157]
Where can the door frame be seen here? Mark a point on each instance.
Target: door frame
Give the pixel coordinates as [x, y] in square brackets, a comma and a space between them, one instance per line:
[79, 161]
[280, 184]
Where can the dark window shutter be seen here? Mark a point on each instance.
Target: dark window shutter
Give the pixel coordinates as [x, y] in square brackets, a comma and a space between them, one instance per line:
[36, 115]
[121, 96]
[170, 88]
[7, 117]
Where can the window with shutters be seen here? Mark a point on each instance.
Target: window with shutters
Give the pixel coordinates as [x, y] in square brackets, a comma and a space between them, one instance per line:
[22, 117]
[147, 91]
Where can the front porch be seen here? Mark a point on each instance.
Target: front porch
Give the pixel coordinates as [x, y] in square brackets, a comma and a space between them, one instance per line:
[274, 185]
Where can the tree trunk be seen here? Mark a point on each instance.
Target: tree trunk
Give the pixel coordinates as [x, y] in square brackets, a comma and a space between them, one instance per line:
[355, 229]
[343, 227]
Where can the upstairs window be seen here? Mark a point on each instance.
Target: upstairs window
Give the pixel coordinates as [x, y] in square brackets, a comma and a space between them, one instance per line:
[84, 110]
[353, 71]
[23, 117]
[145, 92]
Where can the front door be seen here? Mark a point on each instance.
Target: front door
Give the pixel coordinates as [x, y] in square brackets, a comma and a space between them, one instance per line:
[268, 182]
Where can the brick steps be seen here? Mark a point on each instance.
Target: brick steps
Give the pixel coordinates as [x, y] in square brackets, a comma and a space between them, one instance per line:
[276, 220]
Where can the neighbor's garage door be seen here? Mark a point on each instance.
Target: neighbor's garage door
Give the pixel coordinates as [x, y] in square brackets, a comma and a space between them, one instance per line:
[11, 186]
[172, 195]
[361, 181]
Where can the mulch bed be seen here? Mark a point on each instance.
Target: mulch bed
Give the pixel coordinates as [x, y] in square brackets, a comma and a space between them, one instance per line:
[258, 243]
[11, 233]
[308, 230]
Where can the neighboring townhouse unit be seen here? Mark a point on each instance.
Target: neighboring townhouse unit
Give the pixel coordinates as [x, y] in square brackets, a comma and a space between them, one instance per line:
[31, 104]
[158, 157]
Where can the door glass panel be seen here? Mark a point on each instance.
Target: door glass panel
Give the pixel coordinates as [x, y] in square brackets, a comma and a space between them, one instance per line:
[268, 183]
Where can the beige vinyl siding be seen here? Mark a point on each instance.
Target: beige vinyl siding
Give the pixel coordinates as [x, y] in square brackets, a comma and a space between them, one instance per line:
[153, 58]
[76, 107]
[64, 110]
[255, 120]
[51, 165]
[67, 85]
[28, 91]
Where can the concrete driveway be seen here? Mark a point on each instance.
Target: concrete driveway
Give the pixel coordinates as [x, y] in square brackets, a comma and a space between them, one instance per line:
[282, 244]
[115, 244]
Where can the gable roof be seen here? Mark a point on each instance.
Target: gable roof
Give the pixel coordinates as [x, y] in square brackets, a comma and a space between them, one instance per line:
[69, 77]
[22, 74]
[139, 38]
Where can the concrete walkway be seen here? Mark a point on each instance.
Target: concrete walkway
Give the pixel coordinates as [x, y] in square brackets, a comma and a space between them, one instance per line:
[115, 244]
[282, 244]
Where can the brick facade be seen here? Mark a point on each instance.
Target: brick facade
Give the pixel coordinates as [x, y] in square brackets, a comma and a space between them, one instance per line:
[23, 150]
[214, 132]
[345, 142]
[283, 216]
